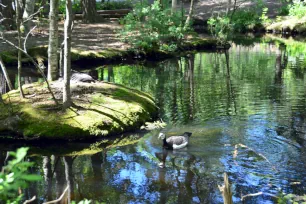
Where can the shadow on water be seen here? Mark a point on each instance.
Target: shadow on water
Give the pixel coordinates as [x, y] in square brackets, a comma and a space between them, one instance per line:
[246, 109]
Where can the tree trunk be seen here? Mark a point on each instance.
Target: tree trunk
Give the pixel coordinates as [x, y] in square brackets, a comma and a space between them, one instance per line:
[53, 41]
[8, 14]
[89, 11]
[28, 11]
[174, 5]
[68, 161]
[229, 4]
[47, 176]
[67, 56]
[189, 14]
[7, 78]
[18, 23]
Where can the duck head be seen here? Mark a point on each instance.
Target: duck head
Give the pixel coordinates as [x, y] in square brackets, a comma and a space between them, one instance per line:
[161, 136]
[187, 134]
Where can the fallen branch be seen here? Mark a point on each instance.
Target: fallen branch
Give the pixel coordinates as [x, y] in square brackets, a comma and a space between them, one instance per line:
[259, 154]
[59, 199]
[251, 195]
[29, 201]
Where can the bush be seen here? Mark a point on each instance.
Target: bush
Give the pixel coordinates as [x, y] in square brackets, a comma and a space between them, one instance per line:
[14, 176]
[76, 6]
[114, 5]
[297, 9]
[149, 27]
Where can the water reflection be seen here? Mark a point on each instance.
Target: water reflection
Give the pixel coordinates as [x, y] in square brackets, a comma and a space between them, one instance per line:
[246, 109]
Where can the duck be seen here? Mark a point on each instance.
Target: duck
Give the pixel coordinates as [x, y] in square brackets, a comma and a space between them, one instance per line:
[175, 142]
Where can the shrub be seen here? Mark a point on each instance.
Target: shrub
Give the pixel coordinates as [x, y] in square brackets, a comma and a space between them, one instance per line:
[149, 27]
[114, 5]
[14, 176]
[297, 9]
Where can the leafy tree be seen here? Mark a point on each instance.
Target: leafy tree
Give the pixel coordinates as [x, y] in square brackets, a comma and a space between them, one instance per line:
[14, 176]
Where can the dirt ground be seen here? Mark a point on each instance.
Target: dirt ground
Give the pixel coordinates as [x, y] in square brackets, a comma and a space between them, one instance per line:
[104, 35]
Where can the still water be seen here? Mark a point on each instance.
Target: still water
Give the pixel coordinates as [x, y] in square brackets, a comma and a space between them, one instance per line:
[246, 110]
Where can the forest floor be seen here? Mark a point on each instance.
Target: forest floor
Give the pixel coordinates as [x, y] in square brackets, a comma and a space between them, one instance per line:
[101, 36]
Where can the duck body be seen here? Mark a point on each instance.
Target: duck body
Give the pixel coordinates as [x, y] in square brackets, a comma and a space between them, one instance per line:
[175, 142]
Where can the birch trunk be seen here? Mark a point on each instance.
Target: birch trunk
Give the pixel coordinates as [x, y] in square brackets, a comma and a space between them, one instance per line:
[18, 23]
[189, 14]
[67, 56]
[53, 41]
[28, 11]
[174, 5]
[8, 81]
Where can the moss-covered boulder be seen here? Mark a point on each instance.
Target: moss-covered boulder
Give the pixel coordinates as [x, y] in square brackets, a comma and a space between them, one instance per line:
[289, 25]
[99, 109]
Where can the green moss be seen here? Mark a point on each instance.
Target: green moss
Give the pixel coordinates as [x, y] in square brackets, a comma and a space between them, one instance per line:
[289, 24]
[100, 109]
[109, 55]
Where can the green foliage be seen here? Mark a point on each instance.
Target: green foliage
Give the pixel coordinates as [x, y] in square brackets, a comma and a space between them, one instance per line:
[291, 198]
[76, 6]
[283, 11]
[242, 20]
[149, 27]
[297, 9]
[15, 176]
[114, 5]
[264, 18]
[220, 28]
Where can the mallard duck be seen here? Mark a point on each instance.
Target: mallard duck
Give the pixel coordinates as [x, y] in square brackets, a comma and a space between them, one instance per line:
[175, 142]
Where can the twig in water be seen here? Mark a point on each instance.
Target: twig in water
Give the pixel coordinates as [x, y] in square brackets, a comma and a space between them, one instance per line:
[259, 154]
[251, 195]
[59, 199]
[29, 201]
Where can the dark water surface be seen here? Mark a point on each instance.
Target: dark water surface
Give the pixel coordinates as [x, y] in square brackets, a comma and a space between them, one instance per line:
[246, 111]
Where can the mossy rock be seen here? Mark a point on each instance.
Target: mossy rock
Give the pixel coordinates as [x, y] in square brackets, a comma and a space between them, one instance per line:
[99, 109]
[289, 24]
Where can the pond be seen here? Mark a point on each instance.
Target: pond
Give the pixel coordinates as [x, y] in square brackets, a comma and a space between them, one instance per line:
[246, 110]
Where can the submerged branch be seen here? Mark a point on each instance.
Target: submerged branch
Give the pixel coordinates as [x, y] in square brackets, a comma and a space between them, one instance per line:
[59, 199]
[31, 200]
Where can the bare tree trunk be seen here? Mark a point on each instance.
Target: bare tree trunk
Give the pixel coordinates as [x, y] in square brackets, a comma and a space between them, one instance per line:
[53, 41]
[48, 176]
[229, 4]
[18, 23]
[68, 161]
[174, 5]
[189, 14]
[67, 56]
[7, 78]
[28, 11]
[89, 11]
[7, 13]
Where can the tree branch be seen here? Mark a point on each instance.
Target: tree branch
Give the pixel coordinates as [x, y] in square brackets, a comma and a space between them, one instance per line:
[60, 198]
[25, 40]
[35, 64]
[34, 14]
[29, 201]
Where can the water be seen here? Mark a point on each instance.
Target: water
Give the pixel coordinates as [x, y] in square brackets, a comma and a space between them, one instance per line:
[246, 111]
